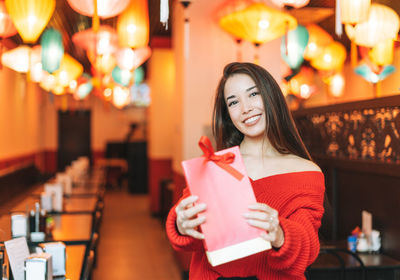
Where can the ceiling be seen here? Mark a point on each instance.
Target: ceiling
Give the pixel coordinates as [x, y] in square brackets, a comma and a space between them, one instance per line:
[69, 22]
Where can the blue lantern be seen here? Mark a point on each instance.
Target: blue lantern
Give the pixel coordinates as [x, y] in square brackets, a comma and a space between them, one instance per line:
[293, 46]
[52, 50]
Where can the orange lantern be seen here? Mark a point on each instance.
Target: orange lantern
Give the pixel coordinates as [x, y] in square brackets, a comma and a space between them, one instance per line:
[35, 67]
[336, 85]
[302, 84]
[69, 70]
[382, 23]
[105, 8]
[102, 63]
[17, 59]
[318, 39]
[129, 59]
[258, 23]
[291, 3]
[7, 27]
[30, 17]
[133, 25]
[382, 53]
[121, 96]
[332, 57]
[352, 12]
[103, 42]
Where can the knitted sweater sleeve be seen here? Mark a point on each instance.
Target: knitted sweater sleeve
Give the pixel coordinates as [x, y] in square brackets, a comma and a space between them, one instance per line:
[300, 221]
[178, 241]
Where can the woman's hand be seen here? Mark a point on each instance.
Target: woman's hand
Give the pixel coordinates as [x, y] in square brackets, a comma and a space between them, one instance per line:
[187, 220]
[264, 217]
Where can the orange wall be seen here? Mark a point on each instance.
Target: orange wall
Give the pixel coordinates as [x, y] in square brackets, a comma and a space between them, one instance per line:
[21, 132]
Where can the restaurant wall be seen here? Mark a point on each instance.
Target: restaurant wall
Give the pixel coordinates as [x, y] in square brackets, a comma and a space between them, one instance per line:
[161, 72]
[21, 132]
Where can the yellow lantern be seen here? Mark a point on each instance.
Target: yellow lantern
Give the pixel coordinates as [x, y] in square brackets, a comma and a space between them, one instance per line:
[103, 63]
[352, 12]
[318, 39]
[17, 59]
[30, 17]
[382, 53]
[69, 70]
[121, 96]
[258, 23]
[302, 85]
[331, 58]
[382, 23]
[336, 85]
[133, 25]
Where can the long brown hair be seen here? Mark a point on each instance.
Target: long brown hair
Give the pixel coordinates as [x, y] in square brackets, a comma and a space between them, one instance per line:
[280, 128]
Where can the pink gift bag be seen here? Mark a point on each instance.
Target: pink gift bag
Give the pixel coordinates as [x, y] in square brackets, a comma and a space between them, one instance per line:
[220, 181]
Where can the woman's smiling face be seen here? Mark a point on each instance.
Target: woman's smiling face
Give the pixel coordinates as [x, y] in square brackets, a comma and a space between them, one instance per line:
[245, 105]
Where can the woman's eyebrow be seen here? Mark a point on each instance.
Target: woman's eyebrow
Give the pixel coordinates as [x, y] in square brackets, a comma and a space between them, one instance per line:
[230, 97]
[250, 88]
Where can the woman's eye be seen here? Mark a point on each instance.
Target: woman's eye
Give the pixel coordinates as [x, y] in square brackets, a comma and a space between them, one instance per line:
[234, 102]
[254, 93]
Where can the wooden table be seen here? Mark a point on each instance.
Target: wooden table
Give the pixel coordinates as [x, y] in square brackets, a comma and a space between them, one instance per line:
[68, 228]
[377, 266]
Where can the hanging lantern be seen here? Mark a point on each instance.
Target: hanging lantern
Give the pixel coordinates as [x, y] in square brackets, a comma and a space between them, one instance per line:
[105, 8]
[293, 46]
[121, 97]
[318, 39]
[129, 59]
[84, 86]
[30, 17]
[35, 65]
[258, 23]
[133, 25]
[48, 81]
[17, 59]
[291, 3]
[302, 85]
[382, 23]
[332, 57]
[7, 27]
[336, 85]
[352, 12]
[138, 75]
[102, 42]
[102, 63]
[122, 77]
[372, 77]
[52, 50]
[69, 70]
[382, 53]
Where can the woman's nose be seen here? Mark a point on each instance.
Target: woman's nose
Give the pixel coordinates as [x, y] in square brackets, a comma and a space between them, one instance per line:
[246, 107]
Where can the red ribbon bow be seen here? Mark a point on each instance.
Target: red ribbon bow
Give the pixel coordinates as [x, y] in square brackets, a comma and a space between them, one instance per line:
[222, 161]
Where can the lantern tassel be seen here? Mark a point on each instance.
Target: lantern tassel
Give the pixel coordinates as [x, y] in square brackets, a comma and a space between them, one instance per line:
[164, 13]
[353, 54]
[256, 54]
[377, 89]
[239, 50]
[96, 20]
[338, 20]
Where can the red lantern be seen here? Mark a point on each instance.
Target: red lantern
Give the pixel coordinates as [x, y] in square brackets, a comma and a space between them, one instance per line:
[105, 8]
[103, 42]
[131, 59]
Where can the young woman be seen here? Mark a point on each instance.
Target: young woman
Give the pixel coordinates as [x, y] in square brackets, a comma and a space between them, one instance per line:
[250, 111]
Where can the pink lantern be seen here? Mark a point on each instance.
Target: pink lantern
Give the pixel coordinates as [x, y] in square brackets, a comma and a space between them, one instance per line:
[35, 67]
[105, 8]
[17, 59]
[291, 3]
[7, 27]
[103, 42]
[129, 59]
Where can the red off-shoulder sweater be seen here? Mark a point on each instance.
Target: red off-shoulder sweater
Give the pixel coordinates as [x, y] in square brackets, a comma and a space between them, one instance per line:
[298, 197]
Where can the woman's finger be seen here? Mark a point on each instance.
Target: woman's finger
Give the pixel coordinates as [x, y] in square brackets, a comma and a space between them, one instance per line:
[193, 211]
[195, 234]
[262, 225]
[186, 202]
[264, 208]
[191, 224]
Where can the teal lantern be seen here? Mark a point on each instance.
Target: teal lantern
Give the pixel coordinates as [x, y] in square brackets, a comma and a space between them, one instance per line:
[84, 86]
[372, 77]
[52, 50]
[139, 75]
[121, 76]
[293, 45]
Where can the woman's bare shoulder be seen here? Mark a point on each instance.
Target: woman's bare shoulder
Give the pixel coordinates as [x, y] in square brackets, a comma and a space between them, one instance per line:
[297, 163]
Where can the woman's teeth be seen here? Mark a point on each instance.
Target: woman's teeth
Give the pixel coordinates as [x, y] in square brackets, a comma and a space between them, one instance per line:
[252, 119]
